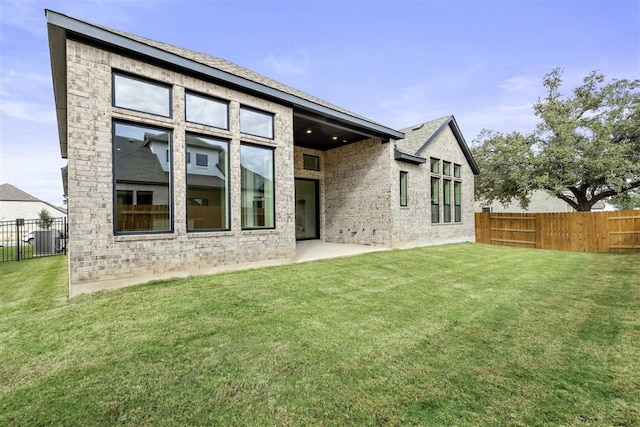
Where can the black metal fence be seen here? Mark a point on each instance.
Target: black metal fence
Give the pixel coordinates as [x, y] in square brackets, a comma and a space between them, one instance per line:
[32, 238]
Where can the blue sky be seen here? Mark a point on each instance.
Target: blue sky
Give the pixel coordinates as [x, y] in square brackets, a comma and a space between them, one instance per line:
[398, 62]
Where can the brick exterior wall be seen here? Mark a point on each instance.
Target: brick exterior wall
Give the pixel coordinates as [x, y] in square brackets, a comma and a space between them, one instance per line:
[358, 185]
[412, 224]
[358, 193]
[99, 259]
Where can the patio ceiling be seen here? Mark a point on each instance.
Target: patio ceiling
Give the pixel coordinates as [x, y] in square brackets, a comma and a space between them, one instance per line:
[322, 134]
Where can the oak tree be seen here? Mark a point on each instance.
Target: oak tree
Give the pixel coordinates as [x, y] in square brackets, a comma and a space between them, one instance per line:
[586, 147]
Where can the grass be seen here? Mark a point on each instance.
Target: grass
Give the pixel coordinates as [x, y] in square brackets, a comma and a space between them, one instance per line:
[463, 334]
[8, 253]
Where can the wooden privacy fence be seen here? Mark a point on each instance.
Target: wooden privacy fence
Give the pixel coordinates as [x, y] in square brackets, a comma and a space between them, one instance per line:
[615, 231]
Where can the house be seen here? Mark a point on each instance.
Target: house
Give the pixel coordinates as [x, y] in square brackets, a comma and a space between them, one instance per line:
[182, 163]
[15, 203]
[541, 202]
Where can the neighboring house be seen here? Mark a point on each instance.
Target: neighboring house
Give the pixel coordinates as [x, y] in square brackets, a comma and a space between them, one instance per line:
[541, 202]
[15, 203]
[182, 163]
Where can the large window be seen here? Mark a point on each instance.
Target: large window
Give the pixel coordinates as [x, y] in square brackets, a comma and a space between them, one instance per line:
[254, 122]
[139, 170]
[138, 94]
[258, 208]
[403, 188]
[446, 200]
[435, 199]
[207, 184]
[207, 111]
[457, 201]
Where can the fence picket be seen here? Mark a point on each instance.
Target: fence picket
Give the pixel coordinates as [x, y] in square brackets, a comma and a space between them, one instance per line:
[615, 231]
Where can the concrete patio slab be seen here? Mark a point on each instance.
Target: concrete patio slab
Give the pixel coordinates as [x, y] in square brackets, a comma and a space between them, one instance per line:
[310, 250]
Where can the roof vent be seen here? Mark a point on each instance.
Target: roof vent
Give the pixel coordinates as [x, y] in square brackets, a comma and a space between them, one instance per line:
[418, 127]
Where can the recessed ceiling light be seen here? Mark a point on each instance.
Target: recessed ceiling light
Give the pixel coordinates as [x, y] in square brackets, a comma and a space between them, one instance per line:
[344, 140]
[309, 131]
[334, 138]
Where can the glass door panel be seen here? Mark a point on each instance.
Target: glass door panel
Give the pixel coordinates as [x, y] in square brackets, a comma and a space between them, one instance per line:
[307, 225]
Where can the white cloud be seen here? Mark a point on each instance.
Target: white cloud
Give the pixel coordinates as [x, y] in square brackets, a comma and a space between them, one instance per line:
[27, 111]
[287, 65]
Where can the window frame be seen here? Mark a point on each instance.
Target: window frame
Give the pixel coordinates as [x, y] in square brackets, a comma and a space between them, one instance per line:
[227, 199]
[404, 189]
[446, 194]
[310, 156]
[171, 207]
[145, 80]
[225, 102]
[258, 111]
[446, 168]
[457, 170]
[200, 156]
[435, 197]
[436, 162]
[273, 180]
[457, 201]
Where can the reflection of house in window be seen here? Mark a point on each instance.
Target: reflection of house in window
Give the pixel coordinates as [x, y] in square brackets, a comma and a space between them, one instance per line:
[202, 160]
[194, 201]
[142, 179]
[207, 184]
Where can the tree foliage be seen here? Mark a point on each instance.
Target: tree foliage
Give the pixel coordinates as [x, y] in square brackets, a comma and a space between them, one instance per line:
[586, 147]
[45, 219]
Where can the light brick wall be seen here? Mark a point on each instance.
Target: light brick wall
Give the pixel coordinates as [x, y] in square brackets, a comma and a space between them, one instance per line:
[412, 224]
[357, 196]
[98, 259]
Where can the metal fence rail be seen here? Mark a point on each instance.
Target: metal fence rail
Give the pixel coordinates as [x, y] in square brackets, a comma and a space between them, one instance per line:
[32, 238]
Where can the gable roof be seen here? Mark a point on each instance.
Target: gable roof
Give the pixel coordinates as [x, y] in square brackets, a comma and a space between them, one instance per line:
[205, 66]
[9, 193]
[417, 139]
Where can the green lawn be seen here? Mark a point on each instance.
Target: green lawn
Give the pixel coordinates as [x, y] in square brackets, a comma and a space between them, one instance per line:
[463, 334]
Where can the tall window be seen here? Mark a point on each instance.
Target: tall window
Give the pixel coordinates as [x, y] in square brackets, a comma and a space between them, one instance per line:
[254, 122]
[139, 166]
[258, 208]
[446, 200]
[207, 184]
[143, 95]
[206, 111]
[457, 201]
[403, 188]
[435, 199]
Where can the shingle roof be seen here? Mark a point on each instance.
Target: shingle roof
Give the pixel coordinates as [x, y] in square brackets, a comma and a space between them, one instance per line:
[418, 137]
[136, 163]
[9, 193]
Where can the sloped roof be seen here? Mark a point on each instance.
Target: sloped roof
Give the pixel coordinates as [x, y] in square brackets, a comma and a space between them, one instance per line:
[135, 162]
[205, 66]
[417, 139]
[9, 193]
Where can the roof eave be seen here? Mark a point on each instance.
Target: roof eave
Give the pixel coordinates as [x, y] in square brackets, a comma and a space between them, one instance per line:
[408, 158]
[58, 55]
[65, 23]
